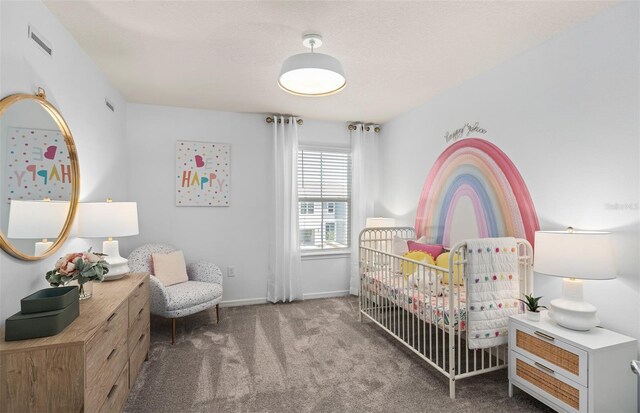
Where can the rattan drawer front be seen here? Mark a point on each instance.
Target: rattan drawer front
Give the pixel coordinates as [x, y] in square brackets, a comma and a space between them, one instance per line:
[117, 395]
[138, 298]
[562, 357]
[544, 381]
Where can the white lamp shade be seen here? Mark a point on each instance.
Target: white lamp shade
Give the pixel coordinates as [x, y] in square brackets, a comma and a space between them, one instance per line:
[312, 74]
[380, 222]
[583, 255]
[36, 219]
[107, 219]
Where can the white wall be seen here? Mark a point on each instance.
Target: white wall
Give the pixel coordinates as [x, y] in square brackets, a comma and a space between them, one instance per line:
[78, 89]
[567, 114]
[237, 235]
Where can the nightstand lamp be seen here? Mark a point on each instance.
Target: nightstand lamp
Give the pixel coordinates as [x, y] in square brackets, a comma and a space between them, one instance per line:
[575, 256]
[37, 220]
[380, 222]
[107, 220]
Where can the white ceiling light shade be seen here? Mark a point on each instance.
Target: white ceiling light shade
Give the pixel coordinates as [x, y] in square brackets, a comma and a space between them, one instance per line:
[312, 74]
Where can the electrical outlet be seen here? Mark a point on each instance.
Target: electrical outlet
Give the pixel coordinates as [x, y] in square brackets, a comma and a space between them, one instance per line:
[231, 271]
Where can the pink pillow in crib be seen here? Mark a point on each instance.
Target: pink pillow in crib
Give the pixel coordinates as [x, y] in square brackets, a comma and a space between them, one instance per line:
[433, 250]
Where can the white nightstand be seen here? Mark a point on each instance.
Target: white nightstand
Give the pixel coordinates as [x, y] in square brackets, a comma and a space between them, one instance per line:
[572, 371]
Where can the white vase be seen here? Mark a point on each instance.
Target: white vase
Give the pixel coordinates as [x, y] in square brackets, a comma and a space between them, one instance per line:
[533, 316]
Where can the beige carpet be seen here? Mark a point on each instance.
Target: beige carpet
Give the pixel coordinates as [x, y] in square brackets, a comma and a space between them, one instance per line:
[310, 356]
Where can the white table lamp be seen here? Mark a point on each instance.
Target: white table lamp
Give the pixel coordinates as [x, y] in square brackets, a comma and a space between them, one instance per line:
[37, 220]
[108, 220]
[576, 256]
[379, 222]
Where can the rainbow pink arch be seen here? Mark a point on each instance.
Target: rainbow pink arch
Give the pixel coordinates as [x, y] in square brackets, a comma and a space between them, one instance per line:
[476, 169]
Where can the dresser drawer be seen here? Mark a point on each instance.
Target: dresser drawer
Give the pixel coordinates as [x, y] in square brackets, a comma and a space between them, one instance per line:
[138, 298]
[550, 351]
[539, 378]
[140, 325]
[118, 393]
[106, 356]
[139, 354]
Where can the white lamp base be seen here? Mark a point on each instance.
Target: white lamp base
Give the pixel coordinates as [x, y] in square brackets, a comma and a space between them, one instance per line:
[42, 247]
[570, 311]
[118, 266]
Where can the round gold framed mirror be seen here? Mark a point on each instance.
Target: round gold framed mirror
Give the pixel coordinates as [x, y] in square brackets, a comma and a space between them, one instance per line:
[39, 177]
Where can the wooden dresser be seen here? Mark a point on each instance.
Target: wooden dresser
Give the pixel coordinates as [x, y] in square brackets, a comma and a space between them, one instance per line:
[91, 365]
[572, 371]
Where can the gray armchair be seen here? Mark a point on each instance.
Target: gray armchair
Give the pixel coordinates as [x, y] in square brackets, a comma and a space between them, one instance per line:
[202, 291]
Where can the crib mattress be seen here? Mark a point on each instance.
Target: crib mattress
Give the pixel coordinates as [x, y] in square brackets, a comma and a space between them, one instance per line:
[434, 310]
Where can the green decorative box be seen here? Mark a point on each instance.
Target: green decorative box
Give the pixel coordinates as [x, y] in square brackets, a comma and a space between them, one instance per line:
[22, 326]
[49, 299]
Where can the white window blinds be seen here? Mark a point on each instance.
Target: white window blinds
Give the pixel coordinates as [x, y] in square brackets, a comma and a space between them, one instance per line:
[324, 193]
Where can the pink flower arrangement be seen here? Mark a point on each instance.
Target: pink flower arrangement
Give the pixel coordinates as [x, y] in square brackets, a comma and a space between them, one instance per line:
[81, 266]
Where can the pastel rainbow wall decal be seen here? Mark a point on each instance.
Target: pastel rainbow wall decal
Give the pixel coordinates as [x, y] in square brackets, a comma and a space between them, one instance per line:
[476, 169]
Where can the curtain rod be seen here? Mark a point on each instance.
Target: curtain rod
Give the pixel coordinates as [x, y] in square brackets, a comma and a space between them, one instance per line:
[270, 119]
[354, 126]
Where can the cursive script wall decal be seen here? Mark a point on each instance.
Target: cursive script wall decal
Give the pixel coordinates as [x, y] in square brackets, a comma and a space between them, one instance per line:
[466, 130]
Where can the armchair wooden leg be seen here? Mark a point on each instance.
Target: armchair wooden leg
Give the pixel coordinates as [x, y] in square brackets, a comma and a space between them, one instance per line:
[217, 313]
[173, 331]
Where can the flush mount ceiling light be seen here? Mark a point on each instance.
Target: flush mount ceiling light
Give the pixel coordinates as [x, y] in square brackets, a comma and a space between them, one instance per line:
[312, 74]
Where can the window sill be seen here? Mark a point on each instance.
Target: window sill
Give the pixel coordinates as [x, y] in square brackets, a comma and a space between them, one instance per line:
[325, 255]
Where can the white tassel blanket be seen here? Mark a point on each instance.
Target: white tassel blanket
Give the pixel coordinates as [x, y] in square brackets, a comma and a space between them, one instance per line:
[492, 290]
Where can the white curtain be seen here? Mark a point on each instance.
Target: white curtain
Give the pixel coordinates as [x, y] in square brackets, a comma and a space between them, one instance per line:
[364, 158]
[284, 282]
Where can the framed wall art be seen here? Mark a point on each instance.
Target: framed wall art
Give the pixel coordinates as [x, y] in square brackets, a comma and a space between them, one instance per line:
[202, 173]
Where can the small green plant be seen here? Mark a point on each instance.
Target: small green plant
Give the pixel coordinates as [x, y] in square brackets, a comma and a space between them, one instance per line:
[532, 303]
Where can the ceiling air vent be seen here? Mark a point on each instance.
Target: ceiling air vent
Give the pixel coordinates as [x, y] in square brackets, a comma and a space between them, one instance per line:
[110, 105]
[42, 43]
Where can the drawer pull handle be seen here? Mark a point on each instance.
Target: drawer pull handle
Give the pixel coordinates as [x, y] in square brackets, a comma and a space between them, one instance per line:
[543, 367]
[140, 312]
[111, 354]
[141, 337]
[111, 317]
[141, 284]
[543, 335]
[113, 389]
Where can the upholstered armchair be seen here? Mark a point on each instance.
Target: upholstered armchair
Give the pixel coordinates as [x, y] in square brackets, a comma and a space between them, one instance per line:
[202, 291]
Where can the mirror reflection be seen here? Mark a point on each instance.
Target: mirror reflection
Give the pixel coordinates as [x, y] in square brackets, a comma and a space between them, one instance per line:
[35, 177]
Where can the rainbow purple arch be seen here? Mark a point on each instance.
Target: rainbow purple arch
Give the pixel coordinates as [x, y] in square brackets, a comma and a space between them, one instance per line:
[476, 169]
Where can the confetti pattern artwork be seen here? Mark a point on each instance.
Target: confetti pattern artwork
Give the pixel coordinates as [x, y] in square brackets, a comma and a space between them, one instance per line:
[38, 165]
[202, 173]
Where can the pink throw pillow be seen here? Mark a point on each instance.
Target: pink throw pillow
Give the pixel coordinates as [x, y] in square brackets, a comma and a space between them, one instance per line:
[433, 250]
[170, 268]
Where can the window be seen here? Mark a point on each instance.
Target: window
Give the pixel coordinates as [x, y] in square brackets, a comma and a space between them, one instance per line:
[330, 231]
[306, 208]
[307, 237]
[324, 193]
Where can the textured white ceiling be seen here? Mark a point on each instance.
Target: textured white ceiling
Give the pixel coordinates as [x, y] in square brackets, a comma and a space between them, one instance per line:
[227, 55]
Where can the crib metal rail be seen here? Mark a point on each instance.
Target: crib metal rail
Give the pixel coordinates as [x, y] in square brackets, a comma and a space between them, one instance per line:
[429, 319]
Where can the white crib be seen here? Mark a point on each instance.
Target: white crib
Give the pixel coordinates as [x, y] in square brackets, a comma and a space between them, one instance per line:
[424, 319]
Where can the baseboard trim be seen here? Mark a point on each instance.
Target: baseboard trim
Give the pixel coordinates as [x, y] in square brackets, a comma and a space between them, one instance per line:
[244, 301]
[310, 296]
[326, 294]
